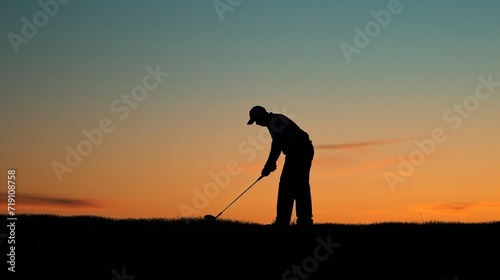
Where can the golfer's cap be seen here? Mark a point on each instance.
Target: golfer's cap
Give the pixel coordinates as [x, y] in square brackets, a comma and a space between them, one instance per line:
[255, 112]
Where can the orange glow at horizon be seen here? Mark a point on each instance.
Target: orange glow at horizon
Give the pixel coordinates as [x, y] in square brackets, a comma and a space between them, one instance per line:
[348, 187]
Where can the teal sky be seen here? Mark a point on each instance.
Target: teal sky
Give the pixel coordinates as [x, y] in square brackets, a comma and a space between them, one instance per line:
[284, 55]
[262, 51]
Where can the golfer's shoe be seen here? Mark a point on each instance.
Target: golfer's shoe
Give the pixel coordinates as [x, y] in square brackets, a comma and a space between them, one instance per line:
[304, 222]
[280, 223]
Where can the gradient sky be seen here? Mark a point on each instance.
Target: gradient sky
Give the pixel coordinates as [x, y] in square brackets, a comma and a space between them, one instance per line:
[419, 74]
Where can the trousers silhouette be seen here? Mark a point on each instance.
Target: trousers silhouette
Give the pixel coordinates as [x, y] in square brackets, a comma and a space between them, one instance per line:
[294, 186]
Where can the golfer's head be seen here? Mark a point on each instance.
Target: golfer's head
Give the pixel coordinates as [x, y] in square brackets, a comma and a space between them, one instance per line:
[258, 114]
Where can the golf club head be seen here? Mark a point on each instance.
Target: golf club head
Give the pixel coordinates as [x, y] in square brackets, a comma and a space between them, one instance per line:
[209, 218]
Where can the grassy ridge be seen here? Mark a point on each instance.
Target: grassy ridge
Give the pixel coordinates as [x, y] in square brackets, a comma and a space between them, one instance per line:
[88, 247]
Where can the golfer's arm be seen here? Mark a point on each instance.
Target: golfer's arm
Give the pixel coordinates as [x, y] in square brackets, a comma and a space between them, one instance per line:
[274, 154]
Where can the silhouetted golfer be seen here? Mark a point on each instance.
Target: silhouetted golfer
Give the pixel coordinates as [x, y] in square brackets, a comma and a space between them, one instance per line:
[295, 144]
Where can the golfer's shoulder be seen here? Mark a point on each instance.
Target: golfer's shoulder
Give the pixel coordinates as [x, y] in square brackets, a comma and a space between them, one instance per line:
[281, 118]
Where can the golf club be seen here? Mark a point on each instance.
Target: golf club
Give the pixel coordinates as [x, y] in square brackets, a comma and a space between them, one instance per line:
[213, 218]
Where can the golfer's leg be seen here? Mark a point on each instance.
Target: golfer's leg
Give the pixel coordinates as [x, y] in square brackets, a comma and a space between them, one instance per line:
[303, 188]
[284, 206]
[304, 204]
[285, 196]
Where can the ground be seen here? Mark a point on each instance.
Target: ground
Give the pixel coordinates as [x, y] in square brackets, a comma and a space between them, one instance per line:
[87, 247]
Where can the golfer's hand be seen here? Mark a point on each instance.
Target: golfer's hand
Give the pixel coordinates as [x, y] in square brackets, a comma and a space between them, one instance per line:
[268, 169]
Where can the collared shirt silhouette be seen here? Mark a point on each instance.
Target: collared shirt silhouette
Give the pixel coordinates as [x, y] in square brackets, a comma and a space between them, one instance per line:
[288, 138]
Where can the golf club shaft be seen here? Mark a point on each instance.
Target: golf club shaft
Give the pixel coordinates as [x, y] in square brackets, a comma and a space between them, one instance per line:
[239, 196]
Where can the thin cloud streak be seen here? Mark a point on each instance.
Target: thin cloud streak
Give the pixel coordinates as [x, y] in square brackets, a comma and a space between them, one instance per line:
[47, 201]
[451, 207]
[340, 171]
[369, 166]
[361, 144]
